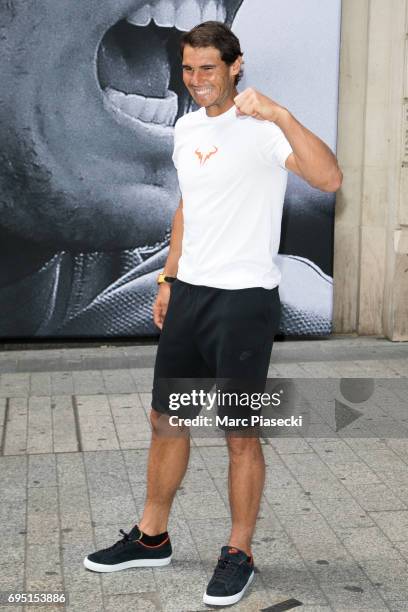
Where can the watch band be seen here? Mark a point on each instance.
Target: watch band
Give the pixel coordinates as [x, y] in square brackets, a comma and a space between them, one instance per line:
[163, 278]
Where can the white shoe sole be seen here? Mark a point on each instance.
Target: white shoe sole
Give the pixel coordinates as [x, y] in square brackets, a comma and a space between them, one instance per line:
[227, 601]
[99, 567]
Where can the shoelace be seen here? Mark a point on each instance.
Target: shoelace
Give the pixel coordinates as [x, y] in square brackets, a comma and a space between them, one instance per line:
[121, 542]
[225, 569]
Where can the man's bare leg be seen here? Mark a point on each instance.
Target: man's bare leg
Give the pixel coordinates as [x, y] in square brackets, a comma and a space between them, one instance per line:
[168, 459]
[246, 478]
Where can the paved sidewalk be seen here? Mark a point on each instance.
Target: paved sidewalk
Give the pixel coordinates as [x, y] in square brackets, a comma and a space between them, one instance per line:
[333, 527]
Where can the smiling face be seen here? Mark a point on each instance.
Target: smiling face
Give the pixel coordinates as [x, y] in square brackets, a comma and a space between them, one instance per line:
[90, 92]
[209, 80]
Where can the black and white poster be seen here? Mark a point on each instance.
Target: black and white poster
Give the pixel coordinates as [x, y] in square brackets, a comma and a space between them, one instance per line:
[90, 91]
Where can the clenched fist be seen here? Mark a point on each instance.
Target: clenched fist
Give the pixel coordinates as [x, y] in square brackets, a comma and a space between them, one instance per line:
[252, 102]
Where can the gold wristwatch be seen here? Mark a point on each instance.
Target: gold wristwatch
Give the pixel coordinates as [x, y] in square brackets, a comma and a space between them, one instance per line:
[162, 278]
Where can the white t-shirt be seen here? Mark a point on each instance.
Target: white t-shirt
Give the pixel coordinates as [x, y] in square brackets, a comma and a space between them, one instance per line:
[232, 177]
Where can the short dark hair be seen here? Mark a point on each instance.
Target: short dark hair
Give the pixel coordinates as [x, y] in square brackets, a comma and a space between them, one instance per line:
[214, 34]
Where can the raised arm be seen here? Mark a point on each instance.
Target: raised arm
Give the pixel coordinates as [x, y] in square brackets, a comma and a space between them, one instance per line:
[311, 159]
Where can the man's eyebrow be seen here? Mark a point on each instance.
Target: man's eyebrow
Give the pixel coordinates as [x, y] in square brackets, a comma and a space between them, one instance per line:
[203, 66]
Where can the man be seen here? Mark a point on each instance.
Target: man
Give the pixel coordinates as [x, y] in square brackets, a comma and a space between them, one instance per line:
[220, 316]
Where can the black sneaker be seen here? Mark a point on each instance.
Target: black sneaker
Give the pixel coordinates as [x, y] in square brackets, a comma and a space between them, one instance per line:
[231, 578]
[129, 552]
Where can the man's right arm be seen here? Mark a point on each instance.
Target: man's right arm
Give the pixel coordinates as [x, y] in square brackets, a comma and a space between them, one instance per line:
[170, 269]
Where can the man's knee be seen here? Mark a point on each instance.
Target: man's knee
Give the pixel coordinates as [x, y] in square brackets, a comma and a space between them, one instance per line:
[241, 445]
[161, 425]
[155, 417]
[159, 421]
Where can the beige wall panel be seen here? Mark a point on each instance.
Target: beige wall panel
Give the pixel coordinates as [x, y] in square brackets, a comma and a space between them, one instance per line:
[403, 207]
[400, 286]
[406, 67]
[381, 18]
[375, 196]
[373, 247]
[350, 143]
[348, 198]
[346, 273]
[353, 69]
[377, 134]
[403, 195]
[354, 19]
[350, 151]
[378, 69]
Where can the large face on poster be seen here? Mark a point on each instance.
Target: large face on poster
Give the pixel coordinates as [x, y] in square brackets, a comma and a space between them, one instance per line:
[90, 92]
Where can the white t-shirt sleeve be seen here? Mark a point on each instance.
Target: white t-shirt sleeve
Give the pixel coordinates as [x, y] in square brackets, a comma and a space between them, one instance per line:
[274, 147]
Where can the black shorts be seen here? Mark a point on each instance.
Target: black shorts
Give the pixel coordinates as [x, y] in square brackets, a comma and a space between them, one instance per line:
[215, 335]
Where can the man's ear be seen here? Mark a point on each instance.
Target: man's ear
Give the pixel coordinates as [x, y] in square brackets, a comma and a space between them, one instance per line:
[236, 66]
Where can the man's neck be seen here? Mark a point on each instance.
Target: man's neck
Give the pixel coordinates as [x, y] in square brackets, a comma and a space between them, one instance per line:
[216, 109]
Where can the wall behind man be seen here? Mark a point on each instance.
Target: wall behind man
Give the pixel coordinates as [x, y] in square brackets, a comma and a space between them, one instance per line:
[80, 241]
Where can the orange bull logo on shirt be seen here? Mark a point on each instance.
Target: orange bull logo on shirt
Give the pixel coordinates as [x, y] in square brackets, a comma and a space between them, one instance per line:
[205, 155]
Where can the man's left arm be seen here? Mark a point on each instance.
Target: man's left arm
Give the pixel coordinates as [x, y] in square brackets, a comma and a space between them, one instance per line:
[311, 159]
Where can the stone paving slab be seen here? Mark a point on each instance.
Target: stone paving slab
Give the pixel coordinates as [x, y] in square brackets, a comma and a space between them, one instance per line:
[39, 434]
[40, 383]
[88, 382]
[377, 497]
[62, 383]
[118, 381]
[14, 384]
[130, 420]
[64, 430]
[15, 432]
